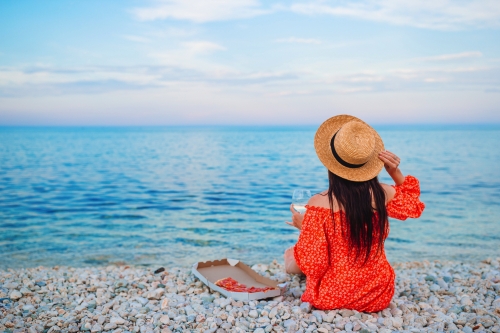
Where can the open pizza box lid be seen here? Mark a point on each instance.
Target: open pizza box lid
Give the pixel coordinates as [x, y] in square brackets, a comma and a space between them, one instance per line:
[211, 271]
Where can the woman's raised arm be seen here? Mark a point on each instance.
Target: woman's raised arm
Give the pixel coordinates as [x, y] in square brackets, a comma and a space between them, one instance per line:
[391, 165]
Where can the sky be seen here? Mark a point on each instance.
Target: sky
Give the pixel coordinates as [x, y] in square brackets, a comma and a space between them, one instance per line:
[248, 62]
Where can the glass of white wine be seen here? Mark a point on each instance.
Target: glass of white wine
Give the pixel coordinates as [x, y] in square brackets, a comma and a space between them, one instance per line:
[299, 200]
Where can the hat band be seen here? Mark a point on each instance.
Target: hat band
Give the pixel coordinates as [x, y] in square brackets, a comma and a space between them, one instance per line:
[339, 159]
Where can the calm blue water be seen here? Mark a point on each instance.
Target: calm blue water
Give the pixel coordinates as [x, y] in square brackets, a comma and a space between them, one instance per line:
[173, 196]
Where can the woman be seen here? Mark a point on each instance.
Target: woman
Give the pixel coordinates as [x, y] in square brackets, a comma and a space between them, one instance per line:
[341, 244]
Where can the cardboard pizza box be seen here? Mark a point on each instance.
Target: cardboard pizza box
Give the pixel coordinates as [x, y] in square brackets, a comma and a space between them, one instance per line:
[211, 271]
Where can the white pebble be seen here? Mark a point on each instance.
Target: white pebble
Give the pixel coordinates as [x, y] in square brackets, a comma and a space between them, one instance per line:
[15, 295]
[253, 314]
[117, 320]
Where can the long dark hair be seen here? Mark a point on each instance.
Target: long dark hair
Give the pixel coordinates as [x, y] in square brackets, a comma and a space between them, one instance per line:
[355, 199]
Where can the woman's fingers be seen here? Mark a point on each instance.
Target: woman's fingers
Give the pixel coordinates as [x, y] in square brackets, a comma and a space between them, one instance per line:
[392, 161]
[383, 156]
[388, 155]
[389, 159]
[292, 224]
[296, 218]
[390, 166]
[391, 155]
[294, 212]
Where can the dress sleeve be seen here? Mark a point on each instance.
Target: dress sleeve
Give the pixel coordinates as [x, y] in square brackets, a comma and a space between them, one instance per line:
[311, 251]
[406, 202]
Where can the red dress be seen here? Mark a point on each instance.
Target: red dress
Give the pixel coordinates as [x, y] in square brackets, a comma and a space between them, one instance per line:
[333, 279]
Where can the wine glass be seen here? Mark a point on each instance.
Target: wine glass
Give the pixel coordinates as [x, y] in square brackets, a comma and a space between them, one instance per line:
[299, 200]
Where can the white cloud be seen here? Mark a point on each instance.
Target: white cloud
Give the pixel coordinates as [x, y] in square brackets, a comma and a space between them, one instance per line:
[46, 80]
[453, 56]
[137, 39]
[298, 40]
[430, 14]
[354, 90]
[291, 93]
[116, 93]
[175, 105]
[200, 10]
[202, 47]
[51, 80]
[56, 80]
[190, 55]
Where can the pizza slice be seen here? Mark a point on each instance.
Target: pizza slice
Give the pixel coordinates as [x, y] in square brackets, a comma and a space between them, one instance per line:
[231, 284]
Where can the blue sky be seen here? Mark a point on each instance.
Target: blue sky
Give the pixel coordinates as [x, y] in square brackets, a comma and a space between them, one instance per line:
[178, 62]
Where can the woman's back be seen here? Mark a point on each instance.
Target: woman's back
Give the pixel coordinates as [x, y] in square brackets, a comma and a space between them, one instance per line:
[335, 279]
[321, 199]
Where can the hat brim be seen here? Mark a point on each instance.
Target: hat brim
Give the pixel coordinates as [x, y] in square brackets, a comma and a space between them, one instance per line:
[322, 140]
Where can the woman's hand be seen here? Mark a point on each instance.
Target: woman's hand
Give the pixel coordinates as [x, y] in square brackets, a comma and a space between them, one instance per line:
[391, 164]
[391, 161]
[297, 218]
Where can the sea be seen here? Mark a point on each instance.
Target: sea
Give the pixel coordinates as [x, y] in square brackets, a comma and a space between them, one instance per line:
[173, 196]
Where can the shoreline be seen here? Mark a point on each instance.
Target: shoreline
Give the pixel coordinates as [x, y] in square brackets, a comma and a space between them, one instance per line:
[429, 297]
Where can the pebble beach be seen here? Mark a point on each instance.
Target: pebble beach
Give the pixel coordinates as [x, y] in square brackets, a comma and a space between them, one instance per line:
[437, 296]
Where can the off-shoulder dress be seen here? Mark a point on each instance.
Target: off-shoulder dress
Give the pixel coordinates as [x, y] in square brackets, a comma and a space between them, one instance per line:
[334, 279]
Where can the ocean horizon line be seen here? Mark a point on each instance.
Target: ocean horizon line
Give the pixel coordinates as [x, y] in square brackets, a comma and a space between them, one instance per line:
[380, 126]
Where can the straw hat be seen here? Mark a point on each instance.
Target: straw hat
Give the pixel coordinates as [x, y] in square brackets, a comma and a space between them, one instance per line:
[349, 148]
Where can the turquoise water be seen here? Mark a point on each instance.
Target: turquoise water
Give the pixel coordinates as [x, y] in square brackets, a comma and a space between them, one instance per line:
[173, 196]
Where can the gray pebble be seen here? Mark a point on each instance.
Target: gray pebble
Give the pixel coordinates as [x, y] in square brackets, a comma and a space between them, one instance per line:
[142, 300]
[96, 328]
[346, 313]
[273, 312]
[467, 329]
[318, 316]
[15, 295]
[226, 326]
[110, 326]
[434, 287]
[25, 291]
[306, 307]
[289, 323]
[242, 324]
[28, 307]
[117, 320]
[296, 292]
[442, 284]
[455, 309]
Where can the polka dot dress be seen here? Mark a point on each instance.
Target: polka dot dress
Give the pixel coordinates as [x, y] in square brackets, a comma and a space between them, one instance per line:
[334, 279]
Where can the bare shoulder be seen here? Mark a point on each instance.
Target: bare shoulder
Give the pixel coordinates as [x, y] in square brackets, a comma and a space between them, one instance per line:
[389, 192]
[319, 200]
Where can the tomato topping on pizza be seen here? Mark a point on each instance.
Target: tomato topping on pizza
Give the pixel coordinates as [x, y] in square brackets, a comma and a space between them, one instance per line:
[231, 284]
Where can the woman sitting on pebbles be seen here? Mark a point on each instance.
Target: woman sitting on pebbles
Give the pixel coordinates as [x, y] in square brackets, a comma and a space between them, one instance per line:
[341, 244]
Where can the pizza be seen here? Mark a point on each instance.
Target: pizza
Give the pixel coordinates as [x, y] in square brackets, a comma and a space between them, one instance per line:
[231, 284]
